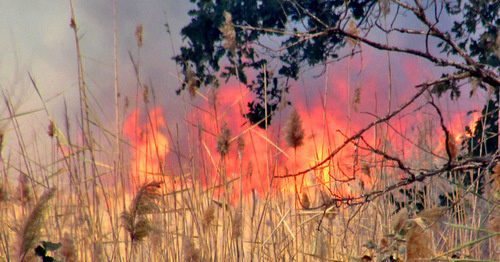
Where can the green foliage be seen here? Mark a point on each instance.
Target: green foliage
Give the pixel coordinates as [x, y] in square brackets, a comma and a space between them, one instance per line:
[286, 36]
[441, 88]
[477, 29]
[41, 250]
[204, 53]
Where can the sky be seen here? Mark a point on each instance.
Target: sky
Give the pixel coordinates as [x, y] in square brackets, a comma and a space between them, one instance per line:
[36, 39]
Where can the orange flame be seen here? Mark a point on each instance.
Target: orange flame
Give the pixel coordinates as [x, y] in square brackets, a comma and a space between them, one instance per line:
[149, 143]
[472, 124]
[343, 176]
[266, 153]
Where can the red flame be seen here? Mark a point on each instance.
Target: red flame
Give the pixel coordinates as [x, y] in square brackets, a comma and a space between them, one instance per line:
[472, 124]
[326, 127]
[150, 145]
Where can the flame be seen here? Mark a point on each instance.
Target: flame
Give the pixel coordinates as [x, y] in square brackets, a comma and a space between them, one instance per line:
[265, 152]
[264, 156]
[472, 124]
[149, 144]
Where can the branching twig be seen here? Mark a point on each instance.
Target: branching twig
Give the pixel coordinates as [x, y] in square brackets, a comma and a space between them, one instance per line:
[445, 130]
[466, 164]
[424, 88]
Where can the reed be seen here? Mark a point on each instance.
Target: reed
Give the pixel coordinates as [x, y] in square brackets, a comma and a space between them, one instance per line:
[210, 201]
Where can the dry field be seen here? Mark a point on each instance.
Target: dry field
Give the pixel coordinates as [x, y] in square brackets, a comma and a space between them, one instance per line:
[214, 188]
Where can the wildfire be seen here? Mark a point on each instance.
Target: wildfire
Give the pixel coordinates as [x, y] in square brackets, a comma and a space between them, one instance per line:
[472, 124]
[252, 169]
[150, 145]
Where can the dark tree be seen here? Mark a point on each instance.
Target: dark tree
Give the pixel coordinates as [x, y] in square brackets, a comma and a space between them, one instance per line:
[301, 28]
[312, 32]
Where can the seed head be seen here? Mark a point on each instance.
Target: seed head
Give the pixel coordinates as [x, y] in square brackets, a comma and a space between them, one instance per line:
[241, 145]
[208, 217]
[223, 140]
[228, 33]
[294, 133]
[237, 226]
[138, 35]
[306, 203]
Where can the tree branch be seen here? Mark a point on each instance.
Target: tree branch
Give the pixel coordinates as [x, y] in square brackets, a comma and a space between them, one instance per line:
[423, 88]
[466, 164]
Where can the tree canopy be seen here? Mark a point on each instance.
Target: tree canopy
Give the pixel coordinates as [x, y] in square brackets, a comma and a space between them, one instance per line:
[293, 35]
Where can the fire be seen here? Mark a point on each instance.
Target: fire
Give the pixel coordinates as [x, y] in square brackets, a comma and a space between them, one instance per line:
[266, 153]
[150, 145]
[472, 124]
[252, 169]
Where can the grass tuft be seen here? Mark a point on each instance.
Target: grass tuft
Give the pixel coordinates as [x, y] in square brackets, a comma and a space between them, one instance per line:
[294, 133]
[223, 140]
[68, 250]
[30, 230]
[135, 220]
[191, 253]
[208, 217]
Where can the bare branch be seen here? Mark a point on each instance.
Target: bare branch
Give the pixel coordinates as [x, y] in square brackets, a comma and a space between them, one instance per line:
[361, 132]
[466, 164]
[445, 130]
[423, 88]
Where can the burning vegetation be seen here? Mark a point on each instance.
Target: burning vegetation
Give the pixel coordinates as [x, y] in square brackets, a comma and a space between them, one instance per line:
[369, 163]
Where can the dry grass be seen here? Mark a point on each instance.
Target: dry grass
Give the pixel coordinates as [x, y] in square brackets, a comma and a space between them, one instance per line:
[33, 224]
[228, 33]
[207, 207]
[419, 243]
[294, 132]
[144, 203]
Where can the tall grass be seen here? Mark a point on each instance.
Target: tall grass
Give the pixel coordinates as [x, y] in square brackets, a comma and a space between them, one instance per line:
[199, 210]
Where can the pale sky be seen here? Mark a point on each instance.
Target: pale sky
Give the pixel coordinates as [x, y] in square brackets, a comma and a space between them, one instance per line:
[36, 37]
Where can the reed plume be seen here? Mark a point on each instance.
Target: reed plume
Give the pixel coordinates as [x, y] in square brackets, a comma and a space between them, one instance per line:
[208, 217]
[306, 203]
[23, 190]
[191, 253]
[135, 220]
[353, 30]
[419, 244]
[30, 230]
[452, 146]
[237, 227]
[241, 145]
[223, 140]
[68, 250]
[228, 33]
[432, 215]
[398, 221]
[51, 129]
[191, 82]
[294, 133]
[138, 35]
